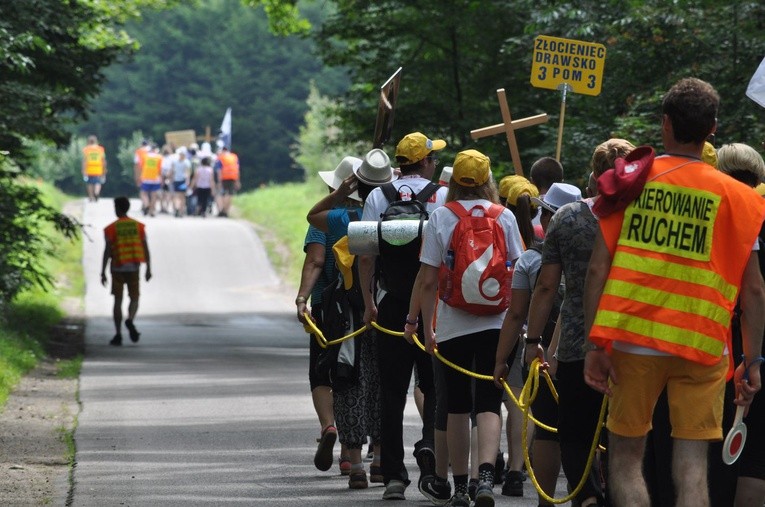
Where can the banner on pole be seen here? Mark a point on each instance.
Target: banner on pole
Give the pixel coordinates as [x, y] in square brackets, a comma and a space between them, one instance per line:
[756, 88]
[558, 62]
[225, 129]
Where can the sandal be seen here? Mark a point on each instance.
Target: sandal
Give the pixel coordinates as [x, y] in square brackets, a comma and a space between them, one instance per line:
[323, 457]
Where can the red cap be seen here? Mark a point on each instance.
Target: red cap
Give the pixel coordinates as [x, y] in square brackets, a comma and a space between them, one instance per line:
[619, 186]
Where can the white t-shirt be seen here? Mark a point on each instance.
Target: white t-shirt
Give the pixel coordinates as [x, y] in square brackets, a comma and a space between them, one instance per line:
[437, 237]
[376, 202]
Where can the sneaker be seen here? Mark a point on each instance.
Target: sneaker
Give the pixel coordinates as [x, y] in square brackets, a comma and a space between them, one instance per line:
[513, 485]
[345, 466]
[484, 495]
[394, 490]
[116, 341]
[323, 457]
[459, 500]
[472, 487]
[426, 460]
[499, 468]
[358, 480]
[134, 334]
[375, 474]
[438, 491]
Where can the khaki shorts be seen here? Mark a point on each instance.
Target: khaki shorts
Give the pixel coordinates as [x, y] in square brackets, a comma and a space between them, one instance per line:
[695, 394]
[122, 278]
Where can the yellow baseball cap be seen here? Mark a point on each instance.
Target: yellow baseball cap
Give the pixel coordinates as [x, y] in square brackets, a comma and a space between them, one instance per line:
[415, 147]
[709, 154]
[471, 168]
[513, 186]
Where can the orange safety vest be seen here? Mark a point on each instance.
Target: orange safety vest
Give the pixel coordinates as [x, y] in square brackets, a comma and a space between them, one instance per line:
[151, 168]
[94, 159]
[126, 237]
[229, 166]
[678, 254]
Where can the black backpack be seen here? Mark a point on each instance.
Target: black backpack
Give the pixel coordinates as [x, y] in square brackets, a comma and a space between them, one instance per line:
[397, 265]
[342, 313]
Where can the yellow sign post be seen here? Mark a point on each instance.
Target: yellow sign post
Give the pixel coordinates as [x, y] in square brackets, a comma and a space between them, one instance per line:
[569, 66]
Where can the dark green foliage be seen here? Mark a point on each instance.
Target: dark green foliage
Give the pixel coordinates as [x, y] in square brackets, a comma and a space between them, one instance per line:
[456, 53]
[195, 62]
[22, 242]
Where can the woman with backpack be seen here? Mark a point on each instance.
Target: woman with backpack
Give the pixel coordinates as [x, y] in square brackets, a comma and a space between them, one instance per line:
[545, 446]
[471, 311]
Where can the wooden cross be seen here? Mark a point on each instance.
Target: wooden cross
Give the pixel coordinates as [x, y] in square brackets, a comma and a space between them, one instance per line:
[207, 137]
[509, 126]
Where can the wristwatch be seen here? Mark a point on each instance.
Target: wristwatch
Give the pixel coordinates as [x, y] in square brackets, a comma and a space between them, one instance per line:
[536, 340]
[300, 299]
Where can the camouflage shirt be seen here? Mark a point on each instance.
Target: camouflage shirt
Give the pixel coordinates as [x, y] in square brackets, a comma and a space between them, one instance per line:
[568, 242]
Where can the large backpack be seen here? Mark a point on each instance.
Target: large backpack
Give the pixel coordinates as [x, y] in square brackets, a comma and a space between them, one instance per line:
[342, 311]
[476, 274]
[397, 264]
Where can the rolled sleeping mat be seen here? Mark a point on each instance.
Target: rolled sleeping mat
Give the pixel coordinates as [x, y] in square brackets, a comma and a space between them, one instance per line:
[363, 238]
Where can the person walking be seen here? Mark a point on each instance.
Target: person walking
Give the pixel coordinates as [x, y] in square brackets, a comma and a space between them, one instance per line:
[566, 252]
[463, 334]
[126, 249]
[181, 175]
[229, 179]
[203, 184]
[660, 290]
[357, 407]
[416, 155]
[150, 181]
[93, 168]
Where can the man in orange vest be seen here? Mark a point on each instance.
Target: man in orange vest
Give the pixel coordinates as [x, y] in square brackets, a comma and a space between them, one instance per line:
[126, 248]
[150, 180]
[93, 167]
[229, 178]
[662, 282]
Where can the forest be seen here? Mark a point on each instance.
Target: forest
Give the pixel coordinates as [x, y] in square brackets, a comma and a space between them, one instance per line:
[125, 70]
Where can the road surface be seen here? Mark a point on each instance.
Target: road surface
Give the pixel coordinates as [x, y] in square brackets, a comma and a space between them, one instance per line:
[212, 406]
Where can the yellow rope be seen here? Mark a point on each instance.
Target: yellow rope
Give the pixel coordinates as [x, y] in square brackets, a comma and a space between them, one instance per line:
[523, 402]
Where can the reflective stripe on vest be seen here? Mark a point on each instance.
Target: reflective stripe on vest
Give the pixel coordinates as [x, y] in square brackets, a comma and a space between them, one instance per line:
[152, 165]
[126, 236]
[94, 160]
[678, 257]
[229, 166]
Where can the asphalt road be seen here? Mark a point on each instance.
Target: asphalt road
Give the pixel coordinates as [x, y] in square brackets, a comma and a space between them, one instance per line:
[212, 406]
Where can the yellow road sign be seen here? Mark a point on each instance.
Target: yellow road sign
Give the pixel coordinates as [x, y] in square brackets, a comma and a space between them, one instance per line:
[558, 62]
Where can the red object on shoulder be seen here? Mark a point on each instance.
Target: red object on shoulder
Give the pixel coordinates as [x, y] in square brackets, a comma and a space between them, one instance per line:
[619, 186]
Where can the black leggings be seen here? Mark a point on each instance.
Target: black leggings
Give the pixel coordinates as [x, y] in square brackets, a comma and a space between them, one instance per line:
[476, 350]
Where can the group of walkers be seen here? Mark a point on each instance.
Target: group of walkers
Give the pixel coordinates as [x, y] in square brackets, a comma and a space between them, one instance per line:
[649, 290]
[183, 180]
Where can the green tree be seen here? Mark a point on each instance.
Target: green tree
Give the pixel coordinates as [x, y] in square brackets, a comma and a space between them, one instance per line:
[194, 62]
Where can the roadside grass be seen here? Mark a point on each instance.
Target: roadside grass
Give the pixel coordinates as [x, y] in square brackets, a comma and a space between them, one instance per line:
[26, 328]
[69, 368]
[279, 212]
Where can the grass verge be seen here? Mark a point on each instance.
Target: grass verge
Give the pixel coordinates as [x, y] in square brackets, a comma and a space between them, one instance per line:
[279, 213]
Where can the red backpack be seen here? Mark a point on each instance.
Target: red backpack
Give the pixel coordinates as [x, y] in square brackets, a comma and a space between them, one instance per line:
[476, 274]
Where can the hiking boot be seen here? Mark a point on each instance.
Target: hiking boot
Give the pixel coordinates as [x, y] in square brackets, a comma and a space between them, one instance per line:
[345, 466]
[323, 457]
[472, 487]
[358, 480]
[375, 474]
[116, 341]
[394, 490]
[513, 485]
[459, 500]
[435, 489]
[134, 334]
[499, 468]
[484, 495]
[426, 460]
